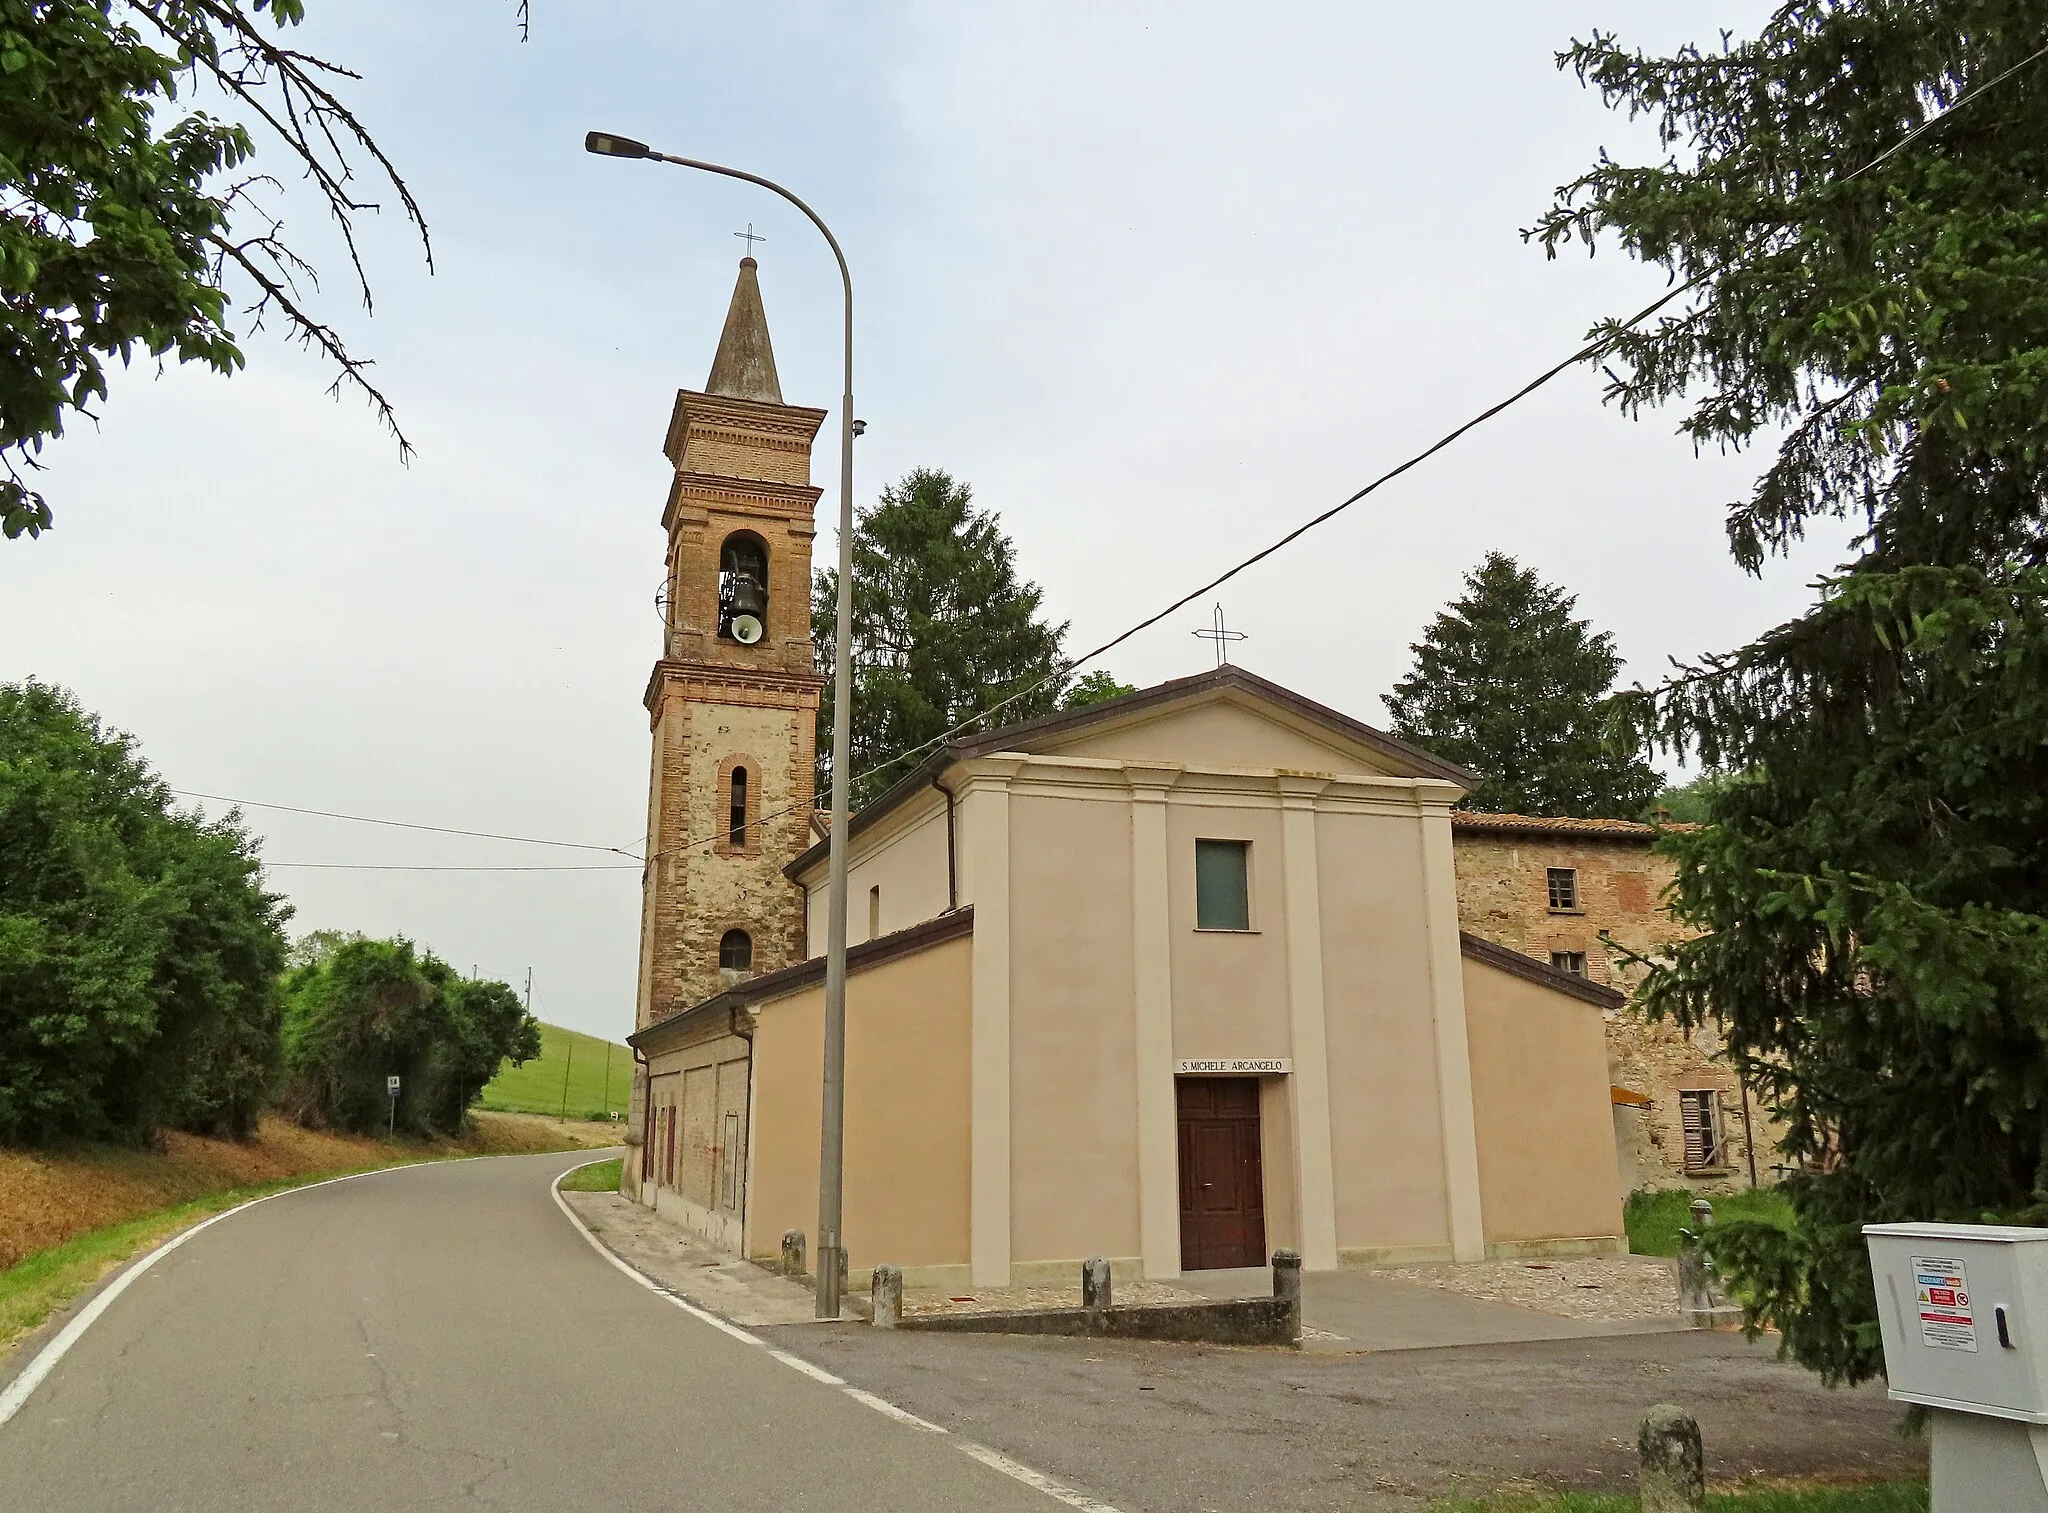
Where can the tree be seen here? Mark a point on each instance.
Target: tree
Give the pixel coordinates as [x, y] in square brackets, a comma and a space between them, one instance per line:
[139, 952]
[942, 630]
[1093, 688]
[1854, 218]
[373, 1008]
[1507, 683]
[134, 220]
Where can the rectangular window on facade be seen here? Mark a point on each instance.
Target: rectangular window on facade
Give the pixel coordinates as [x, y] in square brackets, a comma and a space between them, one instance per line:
[1564, 890]
[1700, 1112]
[1223, 896]
[875, 912]
[1573, 962]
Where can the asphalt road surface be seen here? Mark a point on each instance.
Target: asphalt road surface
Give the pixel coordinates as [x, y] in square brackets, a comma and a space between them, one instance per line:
[441, 1337]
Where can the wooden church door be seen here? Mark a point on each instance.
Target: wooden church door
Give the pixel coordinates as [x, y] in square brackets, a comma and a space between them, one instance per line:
[1222, 1186]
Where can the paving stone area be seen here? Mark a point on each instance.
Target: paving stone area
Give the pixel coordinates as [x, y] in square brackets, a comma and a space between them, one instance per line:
[1611, 1288]
[696, 1269]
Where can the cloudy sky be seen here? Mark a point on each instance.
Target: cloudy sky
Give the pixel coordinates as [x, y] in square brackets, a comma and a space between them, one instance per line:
[1159, 279]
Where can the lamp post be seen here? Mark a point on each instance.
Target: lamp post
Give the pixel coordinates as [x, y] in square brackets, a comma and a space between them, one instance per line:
[832, 1122]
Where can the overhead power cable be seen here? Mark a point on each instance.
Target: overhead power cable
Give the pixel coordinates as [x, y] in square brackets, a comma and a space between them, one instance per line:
[1586, 353]
[364, 819]
[402, 867]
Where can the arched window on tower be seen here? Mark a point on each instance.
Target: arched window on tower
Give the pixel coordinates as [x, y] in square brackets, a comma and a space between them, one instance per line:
[736, 951]
[743, 589]
[736, 811]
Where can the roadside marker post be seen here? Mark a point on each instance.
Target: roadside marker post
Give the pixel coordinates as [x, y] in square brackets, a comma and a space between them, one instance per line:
[391, 1120]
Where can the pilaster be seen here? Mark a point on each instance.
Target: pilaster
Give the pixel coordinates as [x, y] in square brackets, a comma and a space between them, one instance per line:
[1152, 943]
[984, 832]
[1315, 1164]
[1447, 1002]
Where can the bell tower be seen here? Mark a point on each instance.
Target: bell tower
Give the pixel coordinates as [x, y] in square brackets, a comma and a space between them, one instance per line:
[733, 701]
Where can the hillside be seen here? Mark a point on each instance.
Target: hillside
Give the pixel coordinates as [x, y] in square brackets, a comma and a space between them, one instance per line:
[536, 1088]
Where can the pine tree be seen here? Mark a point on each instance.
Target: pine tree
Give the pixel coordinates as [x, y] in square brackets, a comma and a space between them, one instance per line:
[1871, 893]
[1507, 683]
[943, 629]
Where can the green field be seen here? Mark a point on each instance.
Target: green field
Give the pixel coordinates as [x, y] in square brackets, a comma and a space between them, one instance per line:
[536, 1088]
[1655, 1218]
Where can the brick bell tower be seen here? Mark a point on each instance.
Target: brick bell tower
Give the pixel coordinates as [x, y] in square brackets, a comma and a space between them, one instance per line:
[733, 700]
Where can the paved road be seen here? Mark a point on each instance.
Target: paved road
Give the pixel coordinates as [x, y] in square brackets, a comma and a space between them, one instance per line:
[1203, 1429]
[440, 1338]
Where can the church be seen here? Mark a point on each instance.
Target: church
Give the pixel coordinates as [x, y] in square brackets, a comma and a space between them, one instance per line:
[1176, 979]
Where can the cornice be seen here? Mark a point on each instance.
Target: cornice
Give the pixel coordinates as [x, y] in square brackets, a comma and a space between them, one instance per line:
[717, 675]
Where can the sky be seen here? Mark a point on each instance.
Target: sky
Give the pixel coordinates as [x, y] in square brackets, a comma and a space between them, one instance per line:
[1159, 280]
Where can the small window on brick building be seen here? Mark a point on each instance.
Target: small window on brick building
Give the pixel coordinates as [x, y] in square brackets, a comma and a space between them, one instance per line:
[736, 817]
[736, 951]
[1564, 890]
[1573, 962]
[1700, 1112]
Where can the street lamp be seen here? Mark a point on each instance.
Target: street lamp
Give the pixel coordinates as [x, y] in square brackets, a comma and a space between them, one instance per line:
[832, 1123]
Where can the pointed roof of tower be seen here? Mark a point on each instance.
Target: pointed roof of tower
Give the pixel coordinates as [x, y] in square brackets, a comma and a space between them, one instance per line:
[745, 365]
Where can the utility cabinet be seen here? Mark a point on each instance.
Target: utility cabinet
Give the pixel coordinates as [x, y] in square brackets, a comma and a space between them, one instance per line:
[1964, 1313]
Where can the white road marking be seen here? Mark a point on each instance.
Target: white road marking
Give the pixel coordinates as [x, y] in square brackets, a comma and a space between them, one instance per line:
[18, 1391]
[1017, 1471]
[883, 1406]
[815, 1373]
[994, 1459]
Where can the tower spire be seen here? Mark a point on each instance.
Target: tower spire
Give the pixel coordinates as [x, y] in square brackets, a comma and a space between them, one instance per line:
[745, 365]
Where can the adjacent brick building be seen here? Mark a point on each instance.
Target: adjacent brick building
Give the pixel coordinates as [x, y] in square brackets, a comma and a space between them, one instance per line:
[1551, 889]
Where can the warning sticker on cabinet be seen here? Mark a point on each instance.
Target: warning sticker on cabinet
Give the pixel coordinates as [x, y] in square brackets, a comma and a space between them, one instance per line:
[1947, 1321]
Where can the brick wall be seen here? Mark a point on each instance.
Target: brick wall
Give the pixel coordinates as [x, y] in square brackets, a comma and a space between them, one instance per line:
[1503, 870]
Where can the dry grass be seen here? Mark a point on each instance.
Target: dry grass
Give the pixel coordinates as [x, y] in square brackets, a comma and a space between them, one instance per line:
[47, 1197]
[68, 1217]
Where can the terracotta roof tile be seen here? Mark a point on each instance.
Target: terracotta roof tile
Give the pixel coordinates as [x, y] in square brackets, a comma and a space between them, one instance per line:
[1534, 824]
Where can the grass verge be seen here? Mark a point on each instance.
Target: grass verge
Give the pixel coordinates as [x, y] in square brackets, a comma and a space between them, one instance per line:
[1889, 1497]
[601, 1178]
[1655, 1218]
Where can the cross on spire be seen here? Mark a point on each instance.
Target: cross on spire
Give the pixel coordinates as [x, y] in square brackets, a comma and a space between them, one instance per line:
[1222, 635]
[748, 236]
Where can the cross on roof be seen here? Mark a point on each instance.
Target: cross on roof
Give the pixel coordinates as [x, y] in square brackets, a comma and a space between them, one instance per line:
[1222, 635]
[748, 236]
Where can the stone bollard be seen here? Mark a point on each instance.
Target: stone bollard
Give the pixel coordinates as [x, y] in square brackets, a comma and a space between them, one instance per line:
[1096, 1287]
[1672, 1478]
[1287, 1286]
[792, 1252]
[886, 1294]
[1700, 1297]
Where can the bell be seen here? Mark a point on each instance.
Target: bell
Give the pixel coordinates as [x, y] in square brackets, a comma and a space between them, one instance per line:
[747, 610]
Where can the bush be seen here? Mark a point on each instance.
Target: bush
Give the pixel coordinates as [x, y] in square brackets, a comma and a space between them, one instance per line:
[371, 1008]
[139, 952]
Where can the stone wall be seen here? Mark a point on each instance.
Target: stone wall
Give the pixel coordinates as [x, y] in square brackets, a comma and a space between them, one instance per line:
[1503, 870]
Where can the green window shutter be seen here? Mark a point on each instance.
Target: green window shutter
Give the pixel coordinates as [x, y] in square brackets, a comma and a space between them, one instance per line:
[1222, 885]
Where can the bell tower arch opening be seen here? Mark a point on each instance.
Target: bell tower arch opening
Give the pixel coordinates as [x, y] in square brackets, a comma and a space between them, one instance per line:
[743, 589]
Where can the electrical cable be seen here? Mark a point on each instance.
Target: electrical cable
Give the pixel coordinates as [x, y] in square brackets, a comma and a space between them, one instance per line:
[364, 819]
[1586, 353]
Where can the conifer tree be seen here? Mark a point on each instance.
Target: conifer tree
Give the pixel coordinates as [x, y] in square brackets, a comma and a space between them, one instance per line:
[1852, 211]
[943, 629]
[1507, 683]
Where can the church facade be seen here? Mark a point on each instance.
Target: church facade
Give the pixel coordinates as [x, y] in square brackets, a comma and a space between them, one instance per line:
[1176, 979]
